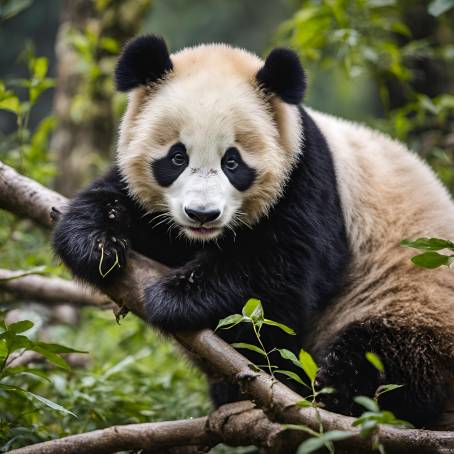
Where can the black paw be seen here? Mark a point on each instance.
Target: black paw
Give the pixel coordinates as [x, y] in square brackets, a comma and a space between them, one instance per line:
[350, 374]
[95, 256]
[110, 253]
[174, 303]
[162, 306]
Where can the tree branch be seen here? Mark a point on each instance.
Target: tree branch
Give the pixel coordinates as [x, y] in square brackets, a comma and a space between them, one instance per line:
[277, 400]
[53, 290]
[237, 424]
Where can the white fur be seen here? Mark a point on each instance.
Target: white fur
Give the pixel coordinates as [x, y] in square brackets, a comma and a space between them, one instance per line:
[210, 103]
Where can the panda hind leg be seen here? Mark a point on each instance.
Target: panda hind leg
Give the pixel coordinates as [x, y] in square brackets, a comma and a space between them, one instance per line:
[418, 357]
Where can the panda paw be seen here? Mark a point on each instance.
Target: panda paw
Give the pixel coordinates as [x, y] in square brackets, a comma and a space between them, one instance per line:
[96, 257]
[349, 374]
[110, 253]
[172, 303]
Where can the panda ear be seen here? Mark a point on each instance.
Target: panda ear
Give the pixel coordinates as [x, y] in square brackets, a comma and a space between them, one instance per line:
[144, 60]
[283, 75]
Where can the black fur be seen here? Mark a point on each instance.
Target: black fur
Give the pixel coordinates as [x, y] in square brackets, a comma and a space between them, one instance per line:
[293, 260]
[413, 356]
[165, 170]
[243, 176]
[144, 60]
[283, 75]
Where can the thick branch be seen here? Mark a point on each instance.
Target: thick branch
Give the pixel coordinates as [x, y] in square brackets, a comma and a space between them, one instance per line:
[235, 424]
[274, 397]
[51, 290]
[158, 435]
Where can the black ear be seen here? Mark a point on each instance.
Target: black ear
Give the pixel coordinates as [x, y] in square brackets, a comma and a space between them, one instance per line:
[144, 60]
[283, 75]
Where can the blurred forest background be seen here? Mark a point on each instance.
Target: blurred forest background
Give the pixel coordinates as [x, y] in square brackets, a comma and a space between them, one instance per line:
[387, 63]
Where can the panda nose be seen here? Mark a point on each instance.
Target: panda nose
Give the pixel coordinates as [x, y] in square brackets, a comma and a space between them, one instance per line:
[202, 216]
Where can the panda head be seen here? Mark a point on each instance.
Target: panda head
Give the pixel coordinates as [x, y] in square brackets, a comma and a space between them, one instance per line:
[210, 134]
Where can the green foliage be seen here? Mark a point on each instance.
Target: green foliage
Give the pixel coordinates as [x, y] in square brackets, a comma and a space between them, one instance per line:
[96, 57]
[430, 258]
[368, 423]
[404, 48]
[13, 380]
[23, 245]
[25, 150]
[139, 377]
[375, 361]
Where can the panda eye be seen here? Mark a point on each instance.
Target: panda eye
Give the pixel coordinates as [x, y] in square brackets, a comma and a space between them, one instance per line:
[231, 164]
[179, 159]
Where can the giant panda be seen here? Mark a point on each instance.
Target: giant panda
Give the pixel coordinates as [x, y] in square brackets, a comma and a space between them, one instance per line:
[225, 177]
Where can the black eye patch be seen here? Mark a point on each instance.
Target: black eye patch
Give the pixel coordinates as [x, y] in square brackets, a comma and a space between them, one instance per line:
[241, 176]
[167, 169]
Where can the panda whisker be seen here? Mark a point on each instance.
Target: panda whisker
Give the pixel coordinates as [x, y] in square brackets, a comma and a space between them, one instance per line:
[240, 219]
[166, 219]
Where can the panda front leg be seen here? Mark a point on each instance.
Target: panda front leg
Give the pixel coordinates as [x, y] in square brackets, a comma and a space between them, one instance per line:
[418, 357]
[91, 236]
[196, 295]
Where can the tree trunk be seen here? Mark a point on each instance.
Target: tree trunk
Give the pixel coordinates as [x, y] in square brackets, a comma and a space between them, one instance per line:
[89, 36]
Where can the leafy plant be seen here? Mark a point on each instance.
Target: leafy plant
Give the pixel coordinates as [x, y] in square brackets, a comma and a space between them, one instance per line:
[253, 314]
[388, 47]
[431, 258]
[13, 340]
[369, 422]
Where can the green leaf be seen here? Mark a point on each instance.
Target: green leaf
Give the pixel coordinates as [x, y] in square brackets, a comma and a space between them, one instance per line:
[10, 371]
[230, 321]
[51, 404]
[287, 354]
[367, 427]
[336, 435]
[11, 388]
[382, 389]
[308, 364]
[109, 44]
[304, 403]
[38, 67]
[438, 7]
[253, 309]
[283, 327]
[20, 327]
[327, 390]
[292, 375]
[367, 403]
[15, 341]
[429, 244]
[310, 445]
[251, 347]
[57, 348]
[375, 361]
[432, 260]
[50, 356]
[11, 103]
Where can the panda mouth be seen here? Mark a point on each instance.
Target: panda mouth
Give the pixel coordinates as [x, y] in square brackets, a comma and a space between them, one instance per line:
[204, 230]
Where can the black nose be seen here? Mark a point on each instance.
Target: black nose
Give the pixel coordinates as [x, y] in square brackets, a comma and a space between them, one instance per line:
[201, 215]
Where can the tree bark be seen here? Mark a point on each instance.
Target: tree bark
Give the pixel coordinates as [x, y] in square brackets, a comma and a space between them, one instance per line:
[83, 98]
[237, 424]
[52, 290]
